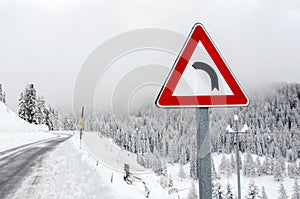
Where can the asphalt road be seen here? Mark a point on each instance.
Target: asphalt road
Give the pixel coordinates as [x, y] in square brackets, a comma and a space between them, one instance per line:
[16, 165]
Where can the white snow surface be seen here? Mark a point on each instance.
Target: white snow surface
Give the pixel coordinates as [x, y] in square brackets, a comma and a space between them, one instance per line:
[245, 128]
[100, 147]
[71, 172]
[235, 117]
[15, 132]
[229, 129]
[271, 186]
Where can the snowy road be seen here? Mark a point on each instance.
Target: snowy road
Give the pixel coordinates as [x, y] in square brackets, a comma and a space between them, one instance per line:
[16, 165]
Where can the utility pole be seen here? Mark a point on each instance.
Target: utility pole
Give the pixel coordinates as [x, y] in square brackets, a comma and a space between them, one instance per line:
[81, 125]
[237, 132]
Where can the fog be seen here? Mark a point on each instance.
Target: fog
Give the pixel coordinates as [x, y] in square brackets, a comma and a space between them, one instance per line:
[47, 41]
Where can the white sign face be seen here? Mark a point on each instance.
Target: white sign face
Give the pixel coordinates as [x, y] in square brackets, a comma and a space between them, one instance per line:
[194, 82]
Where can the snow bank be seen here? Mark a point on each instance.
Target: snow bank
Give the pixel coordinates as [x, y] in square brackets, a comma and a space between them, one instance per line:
[15, 132]
[101, 146]
[111, 159]
[10, 122]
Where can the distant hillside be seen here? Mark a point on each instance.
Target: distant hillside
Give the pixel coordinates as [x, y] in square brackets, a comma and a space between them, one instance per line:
[160, 135]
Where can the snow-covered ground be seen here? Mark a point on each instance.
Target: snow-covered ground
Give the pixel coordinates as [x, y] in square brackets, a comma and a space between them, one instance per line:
[271, 186]
[15, 131]
[101, 147]
[71, 172]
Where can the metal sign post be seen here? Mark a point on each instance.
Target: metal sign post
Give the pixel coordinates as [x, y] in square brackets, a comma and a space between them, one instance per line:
[168, 98]
[203, 153]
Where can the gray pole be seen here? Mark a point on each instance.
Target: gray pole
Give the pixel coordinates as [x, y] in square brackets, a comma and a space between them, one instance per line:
[203, 153]
[238, 159]
[81, 125]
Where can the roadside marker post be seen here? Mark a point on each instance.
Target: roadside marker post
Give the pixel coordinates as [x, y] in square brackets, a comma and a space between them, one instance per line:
[222, 90]
[81, 125]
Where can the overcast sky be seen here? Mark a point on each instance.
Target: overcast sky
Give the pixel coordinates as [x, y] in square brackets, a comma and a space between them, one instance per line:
[47, 41]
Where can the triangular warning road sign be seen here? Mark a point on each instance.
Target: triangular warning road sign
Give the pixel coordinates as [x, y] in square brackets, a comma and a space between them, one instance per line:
[167, 97]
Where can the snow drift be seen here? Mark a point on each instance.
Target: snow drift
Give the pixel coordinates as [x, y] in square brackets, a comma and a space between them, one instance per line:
[15, 132]
[10, 122]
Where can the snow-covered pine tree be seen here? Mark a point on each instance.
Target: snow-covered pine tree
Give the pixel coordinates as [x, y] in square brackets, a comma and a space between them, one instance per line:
[282, 165]
[47, 118]
[292, 170]
[266, 167]
[53, 119]
[164, 170]
[217, 192]
[282, 192]
[4, 98]
[181, 172]
[263, 193]
[249, 166]
[233, 163]
[228, 192]
[1, 92]
[40, 111]
[258, 166]
[228, 168]
[277, 170]
[30, 103]
[223, 165]
[193, 166]
[214, 174]
[253, 191]
[296, 190]
[2, 95]
[267, 117]
[192, 192]
[22, 107]
[68, 123]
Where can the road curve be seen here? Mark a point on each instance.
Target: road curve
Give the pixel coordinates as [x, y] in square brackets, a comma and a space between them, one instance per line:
[17, 165]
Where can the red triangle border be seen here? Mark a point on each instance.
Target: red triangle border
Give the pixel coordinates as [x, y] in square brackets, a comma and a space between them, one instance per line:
[165, 97]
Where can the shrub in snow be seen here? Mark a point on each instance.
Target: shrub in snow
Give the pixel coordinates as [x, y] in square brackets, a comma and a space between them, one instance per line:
[164, 182]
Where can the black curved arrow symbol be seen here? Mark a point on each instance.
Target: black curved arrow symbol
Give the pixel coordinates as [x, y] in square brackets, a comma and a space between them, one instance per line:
[210, 71]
